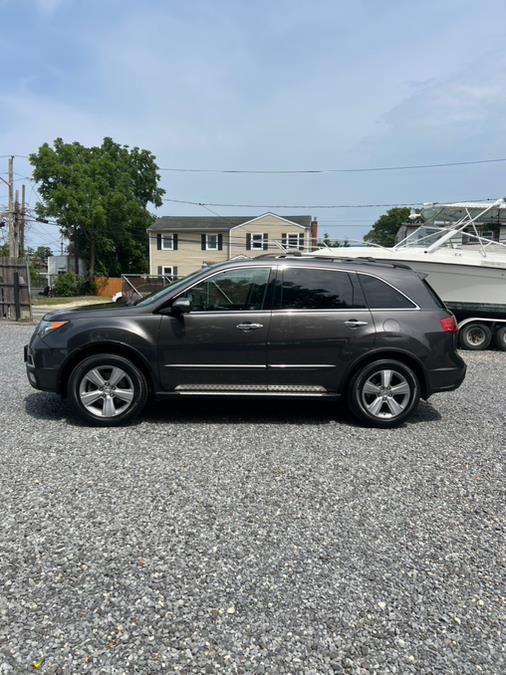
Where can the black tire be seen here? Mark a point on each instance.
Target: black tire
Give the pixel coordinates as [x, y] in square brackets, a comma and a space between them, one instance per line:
[132, 385]
[370, 376]
[475, 336]
[500, 338]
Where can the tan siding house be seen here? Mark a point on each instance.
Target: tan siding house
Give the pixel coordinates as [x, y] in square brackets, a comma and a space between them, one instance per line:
[181, 245]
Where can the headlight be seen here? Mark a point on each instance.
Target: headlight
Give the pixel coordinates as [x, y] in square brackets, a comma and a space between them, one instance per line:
[46, 327]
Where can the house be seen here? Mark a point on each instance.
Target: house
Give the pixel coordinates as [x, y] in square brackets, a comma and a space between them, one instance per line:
[179, 245]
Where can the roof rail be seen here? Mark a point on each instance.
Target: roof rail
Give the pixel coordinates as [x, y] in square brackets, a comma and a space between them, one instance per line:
[366, 260]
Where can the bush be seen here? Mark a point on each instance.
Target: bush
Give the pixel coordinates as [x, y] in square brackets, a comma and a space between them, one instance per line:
[66, 284]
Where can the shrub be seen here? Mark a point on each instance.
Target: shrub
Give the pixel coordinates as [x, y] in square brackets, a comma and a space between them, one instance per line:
[66, 284]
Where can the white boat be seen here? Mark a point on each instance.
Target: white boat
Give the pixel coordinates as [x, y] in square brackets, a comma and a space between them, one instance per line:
[467, 270]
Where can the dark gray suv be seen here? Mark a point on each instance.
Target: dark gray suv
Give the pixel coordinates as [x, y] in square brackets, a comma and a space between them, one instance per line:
[374, 334]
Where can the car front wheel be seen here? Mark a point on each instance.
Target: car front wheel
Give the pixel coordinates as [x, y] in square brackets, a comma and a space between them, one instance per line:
[383, 393]
[107, 390]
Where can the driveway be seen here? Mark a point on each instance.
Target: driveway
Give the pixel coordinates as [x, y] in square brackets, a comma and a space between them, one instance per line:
[243, 537]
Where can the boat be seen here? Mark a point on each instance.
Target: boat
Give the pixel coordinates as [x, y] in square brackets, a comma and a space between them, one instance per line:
[466, 269]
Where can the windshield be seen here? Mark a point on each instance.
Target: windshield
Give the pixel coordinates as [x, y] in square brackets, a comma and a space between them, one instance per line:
[159, 295]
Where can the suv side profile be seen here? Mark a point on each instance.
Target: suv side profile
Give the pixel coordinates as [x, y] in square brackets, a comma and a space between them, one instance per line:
[374, 334]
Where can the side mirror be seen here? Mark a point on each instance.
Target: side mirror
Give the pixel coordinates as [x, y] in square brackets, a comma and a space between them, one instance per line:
[180, 306]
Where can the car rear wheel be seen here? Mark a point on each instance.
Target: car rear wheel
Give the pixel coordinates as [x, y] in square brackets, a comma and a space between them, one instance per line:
[107, 390]
[384, 393]
[475, 336]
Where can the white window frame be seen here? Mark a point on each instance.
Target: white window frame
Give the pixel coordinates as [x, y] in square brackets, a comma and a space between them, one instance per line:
[212, 248]
[254, 244]
[164, 270]
[297, 239]
[169, 237]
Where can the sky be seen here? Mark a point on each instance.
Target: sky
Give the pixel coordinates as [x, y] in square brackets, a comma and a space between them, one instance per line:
[265, 85]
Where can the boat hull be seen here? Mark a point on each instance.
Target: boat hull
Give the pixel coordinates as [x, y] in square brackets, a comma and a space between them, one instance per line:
[465, 283]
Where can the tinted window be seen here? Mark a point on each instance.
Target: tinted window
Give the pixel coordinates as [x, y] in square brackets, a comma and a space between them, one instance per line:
[382, 296]
[317, 289]
[231, 290]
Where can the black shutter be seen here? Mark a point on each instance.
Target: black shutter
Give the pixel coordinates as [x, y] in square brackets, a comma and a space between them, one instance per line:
[174, 272]
[160, 272]
[220, 242]
[283, 240]
[301, 242]
[159, 242]
[203, 242]
[174, 242]
[248, 242]
[266, 241]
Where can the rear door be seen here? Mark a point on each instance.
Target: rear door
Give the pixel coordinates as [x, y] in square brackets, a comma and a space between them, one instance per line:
[319, 325]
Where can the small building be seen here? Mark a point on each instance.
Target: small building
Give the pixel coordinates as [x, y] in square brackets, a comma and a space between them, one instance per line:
[179, 245]
[59, 264]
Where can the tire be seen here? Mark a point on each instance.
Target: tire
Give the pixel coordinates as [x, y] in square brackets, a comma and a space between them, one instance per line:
[500, 338]
[94, 386]
[372, 402]
[475, 336]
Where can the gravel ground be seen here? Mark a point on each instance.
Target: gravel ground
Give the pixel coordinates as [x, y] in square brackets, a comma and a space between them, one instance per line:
[251, 537]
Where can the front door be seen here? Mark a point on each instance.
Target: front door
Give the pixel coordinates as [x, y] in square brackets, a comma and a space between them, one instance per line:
[319, 325]
[221, 344]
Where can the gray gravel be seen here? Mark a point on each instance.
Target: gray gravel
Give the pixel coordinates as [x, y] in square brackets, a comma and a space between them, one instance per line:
[251, 537]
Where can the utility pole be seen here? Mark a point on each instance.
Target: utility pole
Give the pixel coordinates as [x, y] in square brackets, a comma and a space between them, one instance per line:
[15, 229]
[10, 185]
[22, 222]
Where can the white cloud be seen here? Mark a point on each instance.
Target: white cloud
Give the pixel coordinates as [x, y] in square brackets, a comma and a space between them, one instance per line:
[48, 6]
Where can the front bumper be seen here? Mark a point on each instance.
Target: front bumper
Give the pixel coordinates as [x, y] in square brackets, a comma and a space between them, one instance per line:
[39, 370]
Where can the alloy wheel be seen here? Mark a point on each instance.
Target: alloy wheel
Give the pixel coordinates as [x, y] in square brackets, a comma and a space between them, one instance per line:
[106, 391]
[386, 394]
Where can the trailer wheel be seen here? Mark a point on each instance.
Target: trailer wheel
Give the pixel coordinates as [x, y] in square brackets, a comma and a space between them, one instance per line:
[500, 338]
[475, 336]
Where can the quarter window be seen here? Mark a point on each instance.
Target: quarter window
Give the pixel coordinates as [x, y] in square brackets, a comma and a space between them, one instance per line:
[317, 289]
[233, 290]
[380, 295]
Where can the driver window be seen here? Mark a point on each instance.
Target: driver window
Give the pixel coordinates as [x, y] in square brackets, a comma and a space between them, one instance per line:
[239, 290]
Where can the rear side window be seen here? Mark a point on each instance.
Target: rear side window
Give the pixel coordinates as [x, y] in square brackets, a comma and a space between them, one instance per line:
[380, 295]
[317, 289]
[434, 295]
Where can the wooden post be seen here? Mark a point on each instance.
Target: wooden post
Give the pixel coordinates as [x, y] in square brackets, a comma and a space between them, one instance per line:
[17, 305]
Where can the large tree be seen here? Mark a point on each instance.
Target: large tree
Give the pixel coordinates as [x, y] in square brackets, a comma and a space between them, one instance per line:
[385, 228]
[99, 197]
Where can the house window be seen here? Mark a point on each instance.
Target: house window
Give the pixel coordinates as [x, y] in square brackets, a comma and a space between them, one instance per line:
[293, 240]
[211, 242]
[167, 271]
[167, 242]
[258, 240]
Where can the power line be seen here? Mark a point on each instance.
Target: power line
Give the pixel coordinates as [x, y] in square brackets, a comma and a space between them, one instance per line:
[404, 167]
[317, 206]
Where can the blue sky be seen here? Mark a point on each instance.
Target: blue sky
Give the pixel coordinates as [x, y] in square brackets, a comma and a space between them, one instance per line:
[266, 85]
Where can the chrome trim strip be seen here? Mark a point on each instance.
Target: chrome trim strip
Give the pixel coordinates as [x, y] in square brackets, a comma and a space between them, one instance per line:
[213, 366]
[300, 365]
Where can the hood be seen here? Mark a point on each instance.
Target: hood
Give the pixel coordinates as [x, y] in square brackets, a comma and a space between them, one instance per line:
[94, 311]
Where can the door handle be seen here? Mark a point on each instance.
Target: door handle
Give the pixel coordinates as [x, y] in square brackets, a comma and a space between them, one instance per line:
[355, 323]
[249, 326]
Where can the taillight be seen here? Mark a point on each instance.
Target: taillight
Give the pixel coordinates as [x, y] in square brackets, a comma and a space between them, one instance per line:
[449, 325]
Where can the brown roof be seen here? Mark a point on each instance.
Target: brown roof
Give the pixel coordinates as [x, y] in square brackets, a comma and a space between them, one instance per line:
[213, 222]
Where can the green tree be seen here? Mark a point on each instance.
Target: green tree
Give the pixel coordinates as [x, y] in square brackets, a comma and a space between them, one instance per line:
[99, 197]
[41, 252]
[385, 228]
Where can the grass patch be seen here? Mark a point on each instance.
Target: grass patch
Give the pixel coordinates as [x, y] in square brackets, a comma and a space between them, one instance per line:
[77, 299]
